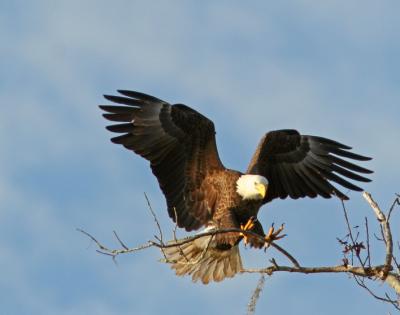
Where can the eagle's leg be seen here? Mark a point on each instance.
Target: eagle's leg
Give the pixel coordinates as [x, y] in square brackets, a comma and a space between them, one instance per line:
[273, 235]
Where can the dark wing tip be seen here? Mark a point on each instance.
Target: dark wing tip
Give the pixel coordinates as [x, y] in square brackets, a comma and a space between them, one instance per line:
[139, 95]
[116, 99]
[121, 139]
[331, 142]
[121, 128]
[109, 128]
[366, 158]
[360, 157]
[109, 97]
[124, 100]
[367, 171]
[129, 93]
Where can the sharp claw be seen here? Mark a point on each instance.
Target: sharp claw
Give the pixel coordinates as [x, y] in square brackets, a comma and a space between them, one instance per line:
[279, 237]
[270, 231]
[273, 235]
[248, 226]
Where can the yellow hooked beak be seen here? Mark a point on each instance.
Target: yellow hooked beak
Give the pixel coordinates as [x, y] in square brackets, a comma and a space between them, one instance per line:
[262, 189]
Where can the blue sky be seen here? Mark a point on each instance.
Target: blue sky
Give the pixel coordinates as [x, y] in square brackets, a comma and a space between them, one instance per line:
[327, 68]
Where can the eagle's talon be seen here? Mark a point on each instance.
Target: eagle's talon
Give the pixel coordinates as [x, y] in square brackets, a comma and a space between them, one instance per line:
[247, 227]
[273, 235]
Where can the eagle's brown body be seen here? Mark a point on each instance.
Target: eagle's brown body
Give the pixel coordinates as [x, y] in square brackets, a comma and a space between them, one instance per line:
[239, 210]
[180, 145]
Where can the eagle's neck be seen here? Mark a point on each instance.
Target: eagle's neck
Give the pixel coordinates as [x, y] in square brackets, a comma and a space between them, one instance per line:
[251, 187]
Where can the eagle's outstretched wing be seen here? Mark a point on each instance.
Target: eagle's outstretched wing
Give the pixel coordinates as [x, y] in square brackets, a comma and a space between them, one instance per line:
[298, 165]
[180, 145]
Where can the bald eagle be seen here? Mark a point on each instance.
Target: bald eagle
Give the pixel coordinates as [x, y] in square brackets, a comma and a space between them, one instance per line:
[200, 192]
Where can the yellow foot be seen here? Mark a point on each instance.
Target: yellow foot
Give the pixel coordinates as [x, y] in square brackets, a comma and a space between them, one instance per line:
[247, 227]
[273, 235]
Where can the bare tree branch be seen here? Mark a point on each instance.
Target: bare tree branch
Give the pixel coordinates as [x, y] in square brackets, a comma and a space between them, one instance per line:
[362, 273]
[386, 230]
[358, 271]
[177, 243]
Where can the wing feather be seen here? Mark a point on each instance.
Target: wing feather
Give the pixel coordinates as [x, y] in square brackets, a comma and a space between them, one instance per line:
[180, 145]
[118, 117]
[300, 165]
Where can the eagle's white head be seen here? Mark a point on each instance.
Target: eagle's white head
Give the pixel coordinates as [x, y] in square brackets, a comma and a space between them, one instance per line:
[252, 187]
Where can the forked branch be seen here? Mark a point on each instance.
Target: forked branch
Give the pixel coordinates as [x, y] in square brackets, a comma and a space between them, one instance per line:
[388, 272]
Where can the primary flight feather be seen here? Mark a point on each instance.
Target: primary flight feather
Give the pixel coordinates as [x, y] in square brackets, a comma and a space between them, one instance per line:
[180, 144]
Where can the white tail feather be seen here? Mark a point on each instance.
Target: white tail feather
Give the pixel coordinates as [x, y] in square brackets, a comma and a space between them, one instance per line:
[203, 261]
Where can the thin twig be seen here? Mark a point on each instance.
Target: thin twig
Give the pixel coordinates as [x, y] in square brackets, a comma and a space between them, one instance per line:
[160, 237]
[395, 202]
[176, 239]
[284, 252]
[204, 252]
[361, 283]
[119, 240]
[115, 252]
[395, 260]
[397, 264]
[102, 247]
[368, 247]
[155, 218]
[353, 241]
